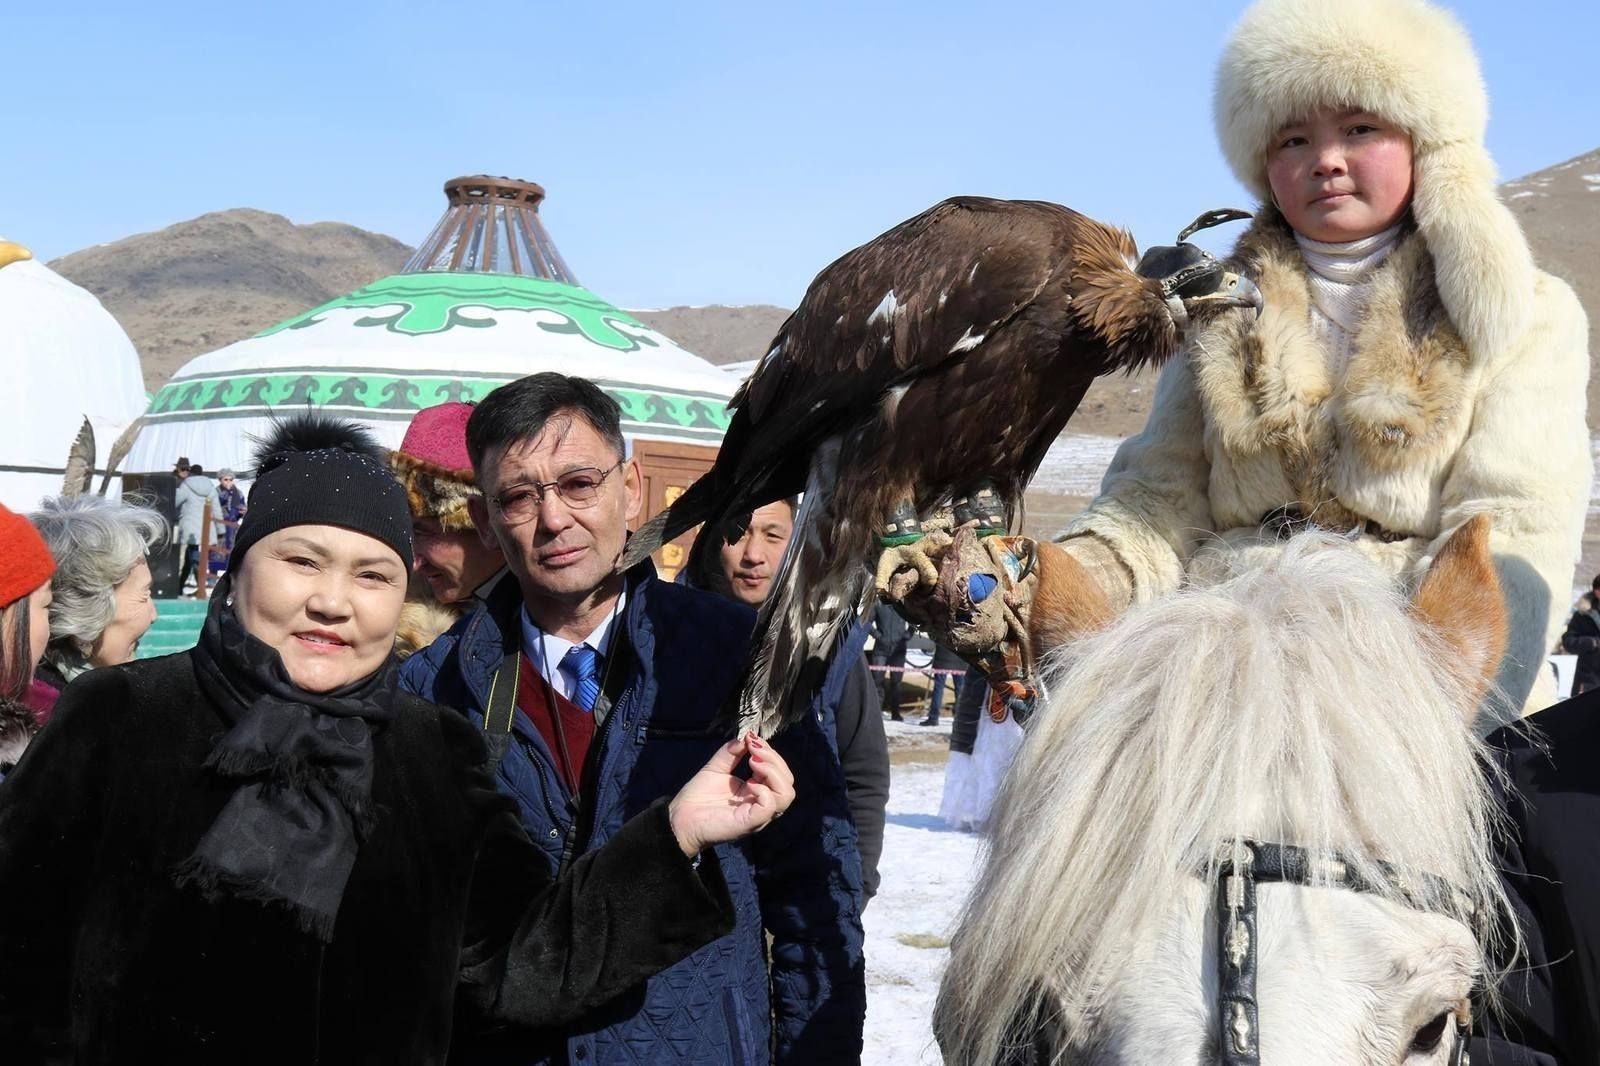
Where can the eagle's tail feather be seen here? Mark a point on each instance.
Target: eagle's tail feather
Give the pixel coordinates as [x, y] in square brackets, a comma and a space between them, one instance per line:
[646, 539]
[695, 506]
[815, 596]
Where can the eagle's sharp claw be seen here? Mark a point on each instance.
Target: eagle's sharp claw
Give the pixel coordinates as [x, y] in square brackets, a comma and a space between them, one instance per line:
[902, 568]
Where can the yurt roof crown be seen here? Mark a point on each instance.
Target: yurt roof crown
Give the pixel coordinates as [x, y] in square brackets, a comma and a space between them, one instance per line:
[492, 226]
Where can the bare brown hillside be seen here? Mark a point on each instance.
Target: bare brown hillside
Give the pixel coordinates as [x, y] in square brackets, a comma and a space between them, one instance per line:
[198, 285]
[1559, 208]
[719, 333]
[222, 277]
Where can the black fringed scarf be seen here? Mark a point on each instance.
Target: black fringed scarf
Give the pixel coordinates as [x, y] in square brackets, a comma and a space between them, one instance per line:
[302, 763]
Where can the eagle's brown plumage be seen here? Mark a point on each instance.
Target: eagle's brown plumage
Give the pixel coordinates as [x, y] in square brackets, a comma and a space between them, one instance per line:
[950, 350]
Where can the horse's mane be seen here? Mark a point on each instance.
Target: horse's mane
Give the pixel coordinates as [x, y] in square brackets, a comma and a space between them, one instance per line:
[1297, 701]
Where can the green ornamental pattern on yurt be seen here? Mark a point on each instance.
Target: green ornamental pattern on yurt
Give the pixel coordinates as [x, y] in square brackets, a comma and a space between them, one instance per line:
[435, 302]
[430, 303]
[389, 394]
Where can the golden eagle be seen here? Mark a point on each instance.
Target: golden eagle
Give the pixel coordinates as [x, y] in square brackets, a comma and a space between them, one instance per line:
[936, 360]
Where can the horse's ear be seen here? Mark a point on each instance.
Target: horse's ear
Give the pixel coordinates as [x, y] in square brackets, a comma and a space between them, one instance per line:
[1460, 600]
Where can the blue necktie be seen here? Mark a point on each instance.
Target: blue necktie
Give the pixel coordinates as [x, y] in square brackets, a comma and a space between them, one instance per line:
[584, 661]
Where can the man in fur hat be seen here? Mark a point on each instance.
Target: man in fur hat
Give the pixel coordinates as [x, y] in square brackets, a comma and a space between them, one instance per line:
[455, 566]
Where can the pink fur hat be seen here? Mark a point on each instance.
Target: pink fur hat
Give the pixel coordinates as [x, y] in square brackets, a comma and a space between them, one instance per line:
[433, 465]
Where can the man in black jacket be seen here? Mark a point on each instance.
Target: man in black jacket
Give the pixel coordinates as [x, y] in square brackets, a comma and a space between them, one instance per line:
[1550, 862]
[849, 696]
[890, 637]
[944, 660]
[1582, 639]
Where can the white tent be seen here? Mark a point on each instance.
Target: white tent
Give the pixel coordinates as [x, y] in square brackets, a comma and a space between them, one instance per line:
[414, 340]
[64, 358]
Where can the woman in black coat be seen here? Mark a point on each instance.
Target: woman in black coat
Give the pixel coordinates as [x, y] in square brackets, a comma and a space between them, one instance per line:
[262, 851]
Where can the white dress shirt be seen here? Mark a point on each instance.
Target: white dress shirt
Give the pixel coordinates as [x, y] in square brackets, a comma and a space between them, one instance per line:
[548, 652]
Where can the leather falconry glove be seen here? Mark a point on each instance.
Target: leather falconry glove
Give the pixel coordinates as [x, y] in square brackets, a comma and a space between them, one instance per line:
[999, 603]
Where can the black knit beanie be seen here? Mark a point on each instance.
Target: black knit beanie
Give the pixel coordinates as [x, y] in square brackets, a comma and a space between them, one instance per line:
[313, 470]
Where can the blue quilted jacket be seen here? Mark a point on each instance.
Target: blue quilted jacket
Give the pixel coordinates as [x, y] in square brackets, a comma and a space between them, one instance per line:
[799, 880]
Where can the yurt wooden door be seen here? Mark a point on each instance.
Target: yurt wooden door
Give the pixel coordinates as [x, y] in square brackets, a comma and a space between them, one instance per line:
[669, 469]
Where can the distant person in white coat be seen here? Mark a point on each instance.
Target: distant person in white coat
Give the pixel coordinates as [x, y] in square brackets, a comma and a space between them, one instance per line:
[194, 492]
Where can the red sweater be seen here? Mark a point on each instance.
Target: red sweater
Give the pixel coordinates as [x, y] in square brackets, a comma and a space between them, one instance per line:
[570, 721]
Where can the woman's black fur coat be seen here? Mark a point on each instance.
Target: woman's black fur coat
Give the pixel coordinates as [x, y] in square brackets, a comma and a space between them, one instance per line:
[448, 917]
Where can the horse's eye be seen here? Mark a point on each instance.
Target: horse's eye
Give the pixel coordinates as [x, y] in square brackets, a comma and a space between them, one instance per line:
[1427, 1038]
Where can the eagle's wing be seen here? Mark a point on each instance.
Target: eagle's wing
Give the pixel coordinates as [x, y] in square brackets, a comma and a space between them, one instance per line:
[907, 304]
[918, 298]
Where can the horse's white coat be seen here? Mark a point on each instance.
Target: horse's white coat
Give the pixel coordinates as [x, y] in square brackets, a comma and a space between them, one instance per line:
[1298, 701]
[1344, 978]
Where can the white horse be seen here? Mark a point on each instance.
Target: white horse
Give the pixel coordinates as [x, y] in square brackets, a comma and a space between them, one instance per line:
[1303, 701]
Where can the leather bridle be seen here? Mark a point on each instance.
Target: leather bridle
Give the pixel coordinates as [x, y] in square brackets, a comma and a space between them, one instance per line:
[1242, 864]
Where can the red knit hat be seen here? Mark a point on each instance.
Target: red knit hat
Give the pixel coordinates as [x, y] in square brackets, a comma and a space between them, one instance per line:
[433, 465]
[25, 562]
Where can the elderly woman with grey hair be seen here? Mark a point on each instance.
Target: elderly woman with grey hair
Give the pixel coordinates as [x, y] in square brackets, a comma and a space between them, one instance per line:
[102, 584]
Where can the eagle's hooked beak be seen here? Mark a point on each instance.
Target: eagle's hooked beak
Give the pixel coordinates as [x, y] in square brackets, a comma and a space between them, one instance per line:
[1191, 279]
[1233, 290]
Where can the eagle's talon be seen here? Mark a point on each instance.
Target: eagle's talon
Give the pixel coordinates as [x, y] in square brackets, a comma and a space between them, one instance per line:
[1007, 560]
[901, 562]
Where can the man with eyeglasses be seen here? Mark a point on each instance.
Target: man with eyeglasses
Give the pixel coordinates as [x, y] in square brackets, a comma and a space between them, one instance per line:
[601, 692]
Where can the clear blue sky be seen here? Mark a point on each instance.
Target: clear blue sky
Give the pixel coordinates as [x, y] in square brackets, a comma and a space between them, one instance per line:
[693, 153]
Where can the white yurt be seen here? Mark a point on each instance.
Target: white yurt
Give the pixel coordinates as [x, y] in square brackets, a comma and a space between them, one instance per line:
[486, 299]
[65, 359]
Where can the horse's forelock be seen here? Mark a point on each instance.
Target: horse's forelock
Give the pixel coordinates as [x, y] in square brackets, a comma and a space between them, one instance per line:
[1296, 701]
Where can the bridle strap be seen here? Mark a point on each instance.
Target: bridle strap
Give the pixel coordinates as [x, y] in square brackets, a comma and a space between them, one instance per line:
[1236, 961]
[1291, 864]
[1241, 865]
[1460, 1055]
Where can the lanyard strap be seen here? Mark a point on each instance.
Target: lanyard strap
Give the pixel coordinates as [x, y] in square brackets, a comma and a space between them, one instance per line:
[497, 716]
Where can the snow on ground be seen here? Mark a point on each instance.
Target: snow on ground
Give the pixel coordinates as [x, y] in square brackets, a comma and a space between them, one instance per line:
[926, 871]
[1074, 465]
[1594, 487]
[908, 735]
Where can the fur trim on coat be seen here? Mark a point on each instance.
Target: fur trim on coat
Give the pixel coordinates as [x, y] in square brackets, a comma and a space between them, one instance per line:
[422, 621]
[1421, 433]
[1413, 64]
[18, 725]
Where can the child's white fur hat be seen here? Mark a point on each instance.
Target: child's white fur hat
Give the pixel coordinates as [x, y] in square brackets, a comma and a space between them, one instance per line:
[1412, 63]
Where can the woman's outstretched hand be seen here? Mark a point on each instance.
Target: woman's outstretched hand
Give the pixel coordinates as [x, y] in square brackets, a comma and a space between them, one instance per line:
[715, 806]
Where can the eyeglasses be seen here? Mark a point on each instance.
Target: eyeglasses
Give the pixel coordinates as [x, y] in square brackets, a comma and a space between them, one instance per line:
[576, 488]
